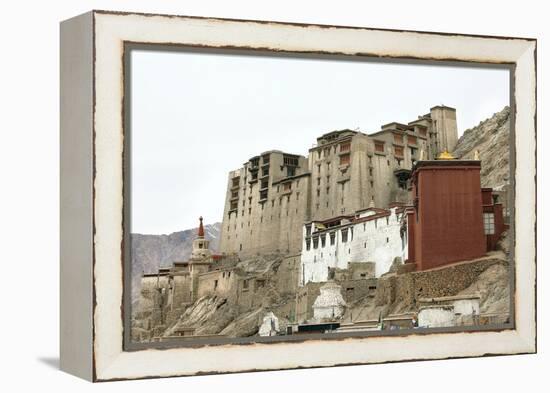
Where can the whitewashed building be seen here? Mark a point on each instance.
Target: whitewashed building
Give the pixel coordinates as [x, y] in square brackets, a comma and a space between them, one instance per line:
[370, 235]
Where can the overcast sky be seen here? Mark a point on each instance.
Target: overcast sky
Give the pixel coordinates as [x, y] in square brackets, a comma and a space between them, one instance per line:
[196, 116]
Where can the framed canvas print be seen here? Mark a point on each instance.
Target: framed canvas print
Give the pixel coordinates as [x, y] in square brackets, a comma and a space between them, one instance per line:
[245, 195]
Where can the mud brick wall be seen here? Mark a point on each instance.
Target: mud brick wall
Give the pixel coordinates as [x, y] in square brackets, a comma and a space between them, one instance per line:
[407, 288]
[450, 280]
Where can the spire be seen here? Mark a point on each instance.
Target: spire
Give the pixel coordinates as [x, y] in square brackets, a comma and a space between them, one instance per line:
[371, 204]
[201, 228]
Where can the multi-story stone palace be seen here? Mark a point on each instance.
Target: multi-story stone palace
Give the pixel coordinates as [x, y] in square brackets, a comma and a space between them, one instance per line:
[270, 198]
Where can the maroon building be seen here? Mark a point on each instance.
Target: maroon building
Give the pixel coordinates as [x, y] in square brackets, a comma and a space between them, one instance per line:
[453, 218]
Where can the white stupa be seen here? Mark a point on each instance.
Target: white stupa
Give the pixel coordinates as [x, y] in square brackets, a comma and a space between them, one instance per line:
[330, 304]
[270, 325]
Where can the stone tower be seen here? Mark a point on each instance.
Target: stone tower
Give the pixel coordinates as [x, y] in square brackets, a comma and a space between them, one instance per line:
[200, 261]
[444, 128]
[200, 245]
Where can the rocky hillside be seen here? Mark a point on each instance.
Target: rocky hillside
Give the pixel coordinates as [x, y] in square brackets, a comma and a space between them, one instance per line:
[491, 139]
[228, 316]
[151, 252]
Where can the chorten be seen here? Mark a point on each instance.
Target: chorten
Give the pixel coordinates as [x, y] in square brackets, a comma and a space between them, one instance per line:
[200, 245]
[330, 304]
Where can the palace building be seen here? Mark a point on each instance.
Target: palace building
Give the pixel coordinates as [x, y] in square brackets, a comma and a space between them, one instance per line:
[274, 193]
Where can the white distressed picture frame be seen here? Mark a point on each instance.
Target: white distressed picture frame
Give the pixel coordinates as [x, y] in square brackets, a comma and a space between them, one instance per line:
[92, 203]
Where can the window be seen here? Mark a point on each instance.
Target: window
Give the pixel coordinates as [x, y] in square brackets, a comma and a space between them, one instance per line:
[318, 181]
[287, 186]
[315, 242]
[308, 244]
[379, 147]
[318, 192]
[398, 138]
[489, 223]
[411, 139]
[398, 151]
[344, 235]
[290, 160]
[235, 181]
[332, 236]
[235, 194]
[345, 159]
[245, 285]
[215, 284]
[290, 171]
[323, 240]
[345, 146]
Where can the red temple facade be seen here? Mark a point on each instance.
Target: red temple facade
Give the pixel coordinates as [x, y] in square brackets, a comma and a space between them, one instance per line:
[453, 219]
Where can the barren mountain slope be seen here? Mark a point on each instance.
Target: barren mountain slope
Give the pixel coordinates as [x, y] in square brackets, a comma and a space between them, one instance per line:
[491, 139]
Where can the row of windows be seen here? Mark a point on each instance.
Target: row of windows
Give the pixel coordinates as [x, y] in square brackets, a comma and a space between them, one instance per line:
[344, 234]
[262, 218]
[342, 147]
[398, 138]
[332, 238]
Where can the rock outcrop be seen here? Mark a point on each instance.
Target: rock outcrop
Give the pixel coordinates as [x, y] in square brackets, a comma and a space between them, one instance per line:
[491, 138]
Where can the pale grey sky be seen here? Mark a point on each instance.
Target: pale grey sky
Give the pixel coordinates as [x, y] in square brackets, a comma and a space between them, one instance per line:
[196, 116]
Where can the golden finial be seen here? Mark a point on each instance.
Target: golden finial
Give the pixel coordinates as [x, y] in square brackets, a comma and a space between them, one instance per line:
[445, 155]
[476, 155]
